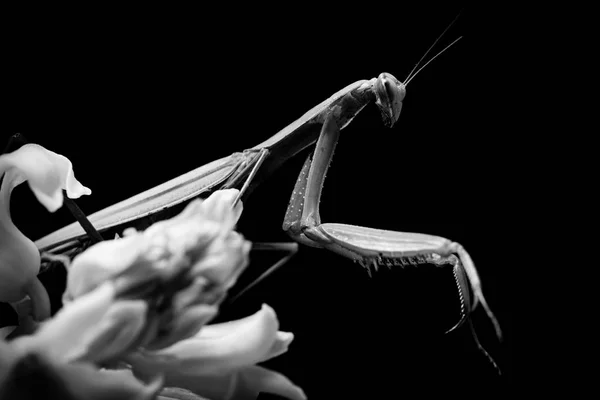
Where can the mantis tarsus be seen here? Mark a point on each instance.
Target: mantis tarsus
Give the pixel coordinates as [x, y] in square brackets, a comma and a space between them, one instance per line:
[245, 170]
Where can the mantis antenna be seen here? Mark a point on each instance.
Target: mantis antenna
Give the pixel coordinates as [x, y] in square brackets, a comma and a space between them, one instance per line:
[434, 57]
[410, 75]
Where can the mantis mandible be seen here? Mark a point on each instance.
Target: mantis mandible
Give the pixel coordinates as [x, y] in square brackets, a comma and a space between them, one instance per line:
[247, 169]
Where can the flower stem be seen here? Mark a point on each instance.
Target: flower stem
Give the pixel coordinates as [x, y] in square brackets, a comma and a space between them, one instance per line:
[82, 219]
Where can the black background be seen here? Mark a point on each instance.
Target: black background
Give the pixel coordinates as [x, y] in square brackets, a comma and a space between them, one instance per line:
[133, 102]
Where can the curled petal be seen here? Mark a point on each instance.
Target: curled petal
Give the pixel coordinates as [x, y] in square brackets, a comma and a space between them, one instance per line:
[71, 185]
[46, 172]
[247, 343]
[280, 345]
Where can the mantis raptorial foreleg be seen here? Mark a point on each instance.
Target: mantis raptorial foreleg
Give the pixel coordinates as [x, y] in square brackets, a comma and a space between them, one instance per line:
[371, 246]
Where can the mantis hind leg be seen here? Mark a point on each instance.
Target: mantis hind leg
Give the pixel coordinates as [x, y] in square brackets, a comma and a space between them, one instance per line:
[290, 248]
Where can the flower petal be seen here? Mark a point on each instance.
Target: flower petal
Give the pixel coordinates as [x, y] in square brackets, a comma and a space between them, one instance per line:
[225, 260]
[87, 382]
[279, 347]
[171, 393]
[214, 387]
[219, 204]
[191, 229]
[71, 185]
[245, 344]
[63, 335]
[5, 331]
[255, 379]
[243, 384]
[186, 324]
[19, 262]
[190, 244]
[117, 330]
[46, 172]
[99, 263]
[34, 375]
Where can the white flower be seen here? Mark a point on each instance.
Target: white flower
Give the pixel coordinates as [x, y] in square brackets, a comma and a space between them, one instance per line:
[219, 362]
[200, 239]
[145, 299]
[47, 174]
[150, 288]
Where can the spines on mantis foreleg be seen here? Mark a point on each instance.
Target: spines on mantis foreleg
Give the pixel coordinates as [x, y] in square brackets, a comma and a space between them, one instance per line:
[292, 223]
[475, 281]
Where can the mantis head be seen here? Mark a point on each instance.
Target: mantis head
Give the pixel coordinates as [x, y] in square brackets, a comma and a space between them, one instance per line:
[389, 93]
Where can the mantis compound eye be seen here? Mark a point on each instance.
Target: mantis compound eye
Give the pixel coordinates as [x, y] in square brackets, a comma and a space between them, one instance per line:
[389, 93]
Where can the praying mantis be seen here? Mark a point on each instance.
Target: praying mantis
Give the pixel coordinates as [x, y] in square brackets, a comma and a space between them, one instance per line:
[320, 126]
